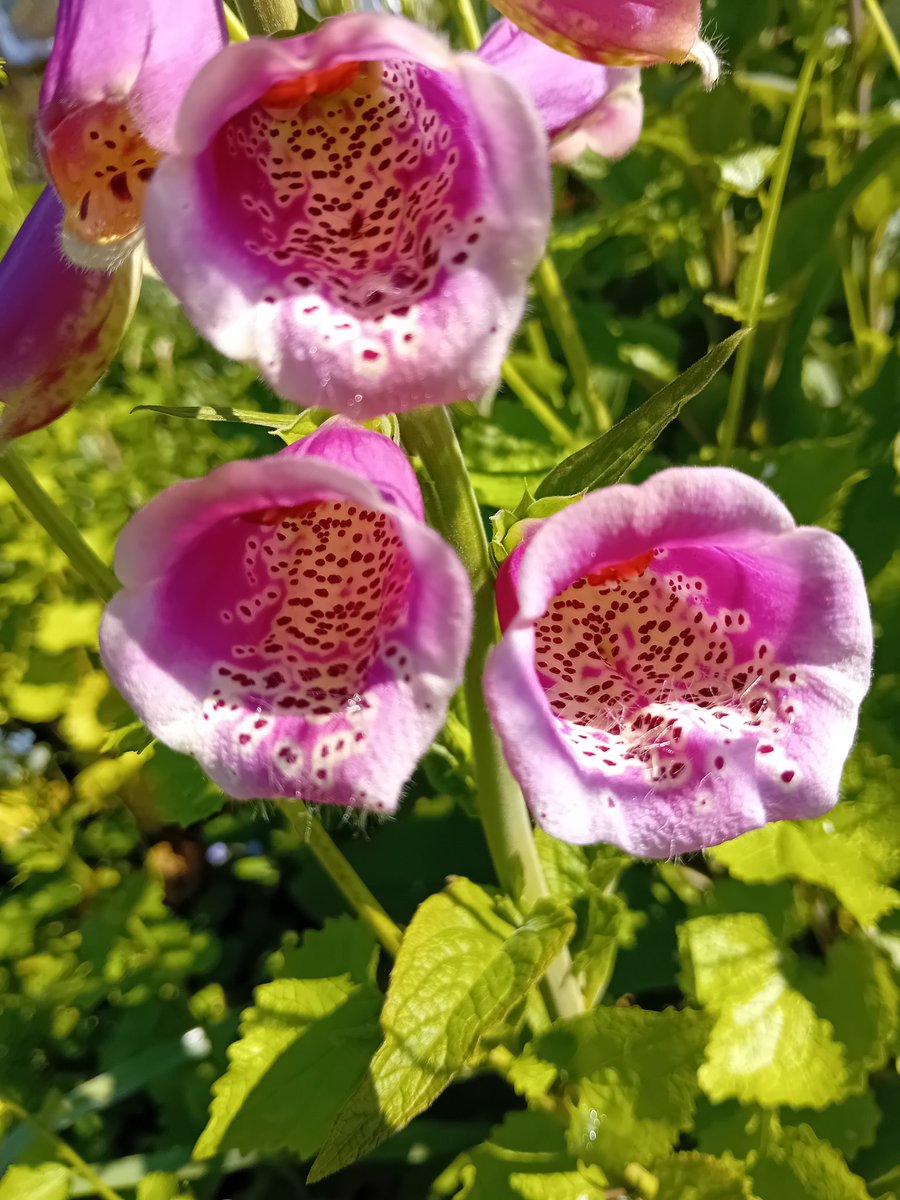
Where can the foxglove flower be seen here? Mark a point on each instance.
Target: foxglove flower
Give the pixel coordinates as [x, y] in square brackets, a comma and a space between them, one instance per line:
[60, 326]
[356, 211]
[113, 84]
[618, 32]
[292, 622]
[680, 664]
[583, 105]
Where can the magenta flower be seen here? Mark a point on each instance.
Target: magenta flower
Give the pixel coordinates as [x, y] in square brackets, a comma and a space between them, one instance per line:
[680, 664]
[356, 211]
[113, 84]
[583, 105]
[292, 622]
[619, 32]
[60, 326]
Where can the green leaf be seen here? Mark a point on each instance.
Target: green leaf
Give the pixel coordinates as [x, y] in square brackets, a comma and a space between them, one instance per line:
[797, 1166]
[700, 1177]
[637, 1073]
[525, 1158]
[460, 969]
[608, 458]
[237, 416]
[50, 1182]
[304, 1045]
[854, 990]
[160, 1186]
[850, 1126]
[854, 852]
[768, 1046]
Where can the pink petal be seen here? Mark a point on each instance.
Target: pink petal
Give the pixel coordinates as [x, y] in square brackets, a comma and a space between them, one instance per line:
[583, 105]
[60, 326]
[680, 664]
[293, 629]
[368, 244]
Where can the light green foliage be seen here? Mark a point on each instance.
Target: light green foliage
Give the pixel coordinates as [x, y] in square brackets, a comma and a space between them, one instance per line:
[768, 1046]
[524, 1159]
[303, 1046]
[797, 1166]
[460, 969]
[35, 1183]
[700, 1177]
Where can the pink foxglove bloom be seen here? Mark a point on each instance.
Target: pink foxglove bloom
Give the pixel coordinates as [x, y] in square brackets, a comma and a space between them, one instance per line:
[60, 326]
[356, 211]
[618, 32]
[292, 622]
[113, 84]
[583, 105]
[680, 664]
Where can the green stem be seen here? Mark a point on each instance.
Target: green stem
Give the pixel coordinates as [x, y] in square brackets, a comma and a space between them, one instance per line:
[342, 875]
[468, 23]
[558, 430]
[64, 1150]
[60, 528]
[268, 16]
[763, 255]
[237, 30]
[556, 302]
[880, 21]
[428, 434]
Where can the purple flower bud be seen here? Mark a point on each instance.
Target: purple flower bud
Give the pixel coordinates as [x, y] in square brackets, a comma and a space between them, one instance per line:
[292, 622]
[619, 32]
[680, 664]
[356, 211]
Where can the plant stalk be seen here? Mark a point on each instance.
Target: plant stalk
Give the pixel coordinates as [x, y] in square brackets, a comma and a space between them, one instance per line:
[428, 434]
[312, 832]
[64, 1150]
[880, 21]
[763, 254]
[268, 16]
[61, 529]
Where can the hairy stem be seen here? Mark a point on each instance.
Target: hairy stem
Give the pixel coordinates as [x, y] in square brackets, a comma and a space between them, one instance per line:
[312, 832]
[268, 16]
[61, 529]
[428, 434]
[763, 253]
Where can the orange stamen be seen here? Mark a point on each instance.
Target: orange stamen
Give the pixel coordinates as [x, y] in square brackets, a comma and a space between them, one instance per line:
[619, 572]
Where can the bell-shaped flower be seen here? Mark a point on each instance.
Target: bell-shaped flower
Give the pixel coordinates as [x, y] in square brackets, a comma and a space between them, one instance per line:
[357, 211]
[60, 326]
[680, 664]
[111, 91]
[583, 105]
[638, 33]
[292, 622]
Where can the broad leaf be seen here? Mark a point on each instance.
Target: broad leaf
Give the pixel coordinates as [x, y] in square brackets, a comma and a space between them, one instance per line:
[701, 1177]
[608, 458]
[304, 1045]
[797, 1166]
[637, 1076]
[460, 969]
[768, 1046]
[50, 1182]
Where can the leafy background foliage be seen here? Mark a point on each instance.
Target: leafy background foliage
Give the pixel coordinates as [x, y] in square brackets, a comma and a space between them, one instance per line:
[183, 1003]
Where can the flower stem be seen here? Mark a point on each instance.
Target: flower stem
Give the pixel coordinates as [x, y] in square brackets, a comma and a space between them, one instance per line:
[558, 430]
[556, 302]
[237, 31]
[63, 1149]
[428, 434]
[312, 832]
[61, 529]
[268, 16]
[763, 254]
[880, 21]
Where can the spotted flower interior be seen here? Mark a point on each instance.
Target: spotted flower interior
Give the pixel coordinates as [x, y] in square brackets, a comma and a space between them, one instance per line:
[101, 166]
[352, 186]
[656, 672]
[308, 601]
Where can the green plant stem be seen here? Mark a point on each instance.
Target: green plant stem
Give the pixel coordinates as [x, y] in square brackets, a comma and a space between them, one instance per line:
[428, 434]
[558, 430]
[342, 875]
[763, 254]
[554, 299]
[64, 1150]
[880, 21]
[237, 30]
[61, 529]
[547, 281]
[268, 16]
